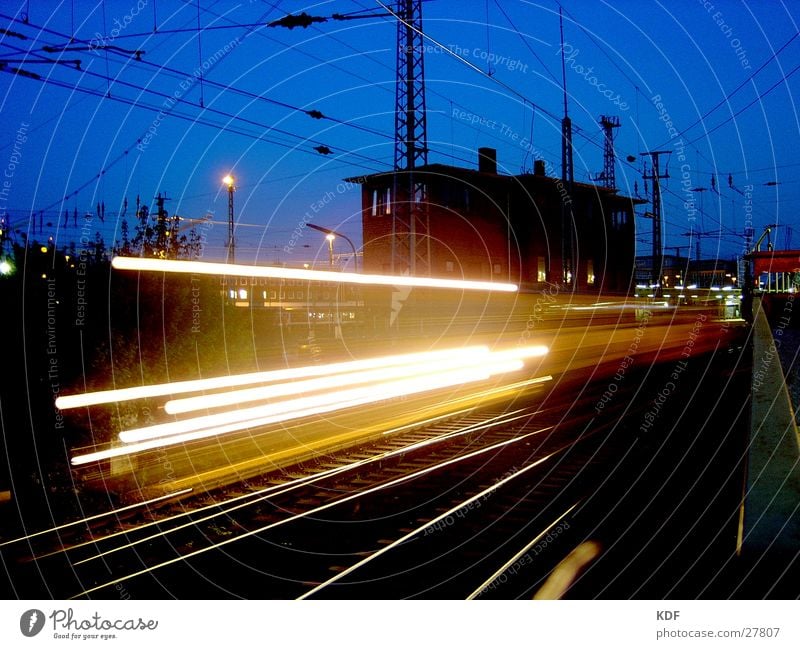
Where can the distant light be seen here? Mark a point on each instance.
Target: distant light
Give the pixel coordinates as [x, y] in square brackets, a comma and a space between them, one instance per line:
[228, 180]
[276, 272]
[5, 268]
[43, 248]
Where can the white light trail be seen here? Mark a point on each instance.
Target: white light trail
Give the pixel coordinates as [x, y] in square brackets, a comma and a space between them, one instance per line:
[221, 382]
[330, 400]
[398, 388]
[413, 378]
[467, 357]
[276, 272]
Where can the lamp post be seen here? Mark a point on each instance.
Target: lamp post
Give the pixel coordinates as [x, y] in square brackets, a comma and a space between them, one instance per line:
[330, 236]
[228, 180]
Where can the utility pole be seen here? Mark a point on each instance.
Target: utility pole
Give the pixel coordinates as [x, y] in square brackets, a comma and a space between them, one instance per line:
[656, 177]
[162, 232]
[609, 175]
[410, 239]
[701, 191]
[230, 182]
[569, 277]
[410, 242]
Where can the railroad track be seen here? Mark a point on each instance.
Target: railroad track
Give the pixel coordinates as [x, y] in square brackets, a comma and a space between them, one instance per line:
[438, 462]
[455, 508]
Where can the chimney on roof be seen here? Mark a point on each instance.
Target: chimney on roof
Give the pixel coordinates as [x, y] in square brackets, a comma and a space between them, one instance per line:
[538, 168]
[487, 160]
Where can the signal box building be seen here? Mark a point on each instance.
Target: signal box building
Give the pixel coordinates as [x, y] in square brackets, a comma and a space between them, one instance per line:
[528, 229]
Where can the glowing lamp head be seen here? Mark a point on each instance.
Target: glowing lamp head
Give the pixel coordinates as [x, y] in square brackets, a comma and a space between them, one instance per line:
[228, 180]
[330, 237]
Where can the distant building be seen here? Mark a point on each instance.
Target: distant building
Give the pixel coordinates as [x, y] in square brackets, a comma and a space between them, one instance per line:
[484, 225]
[679, 271]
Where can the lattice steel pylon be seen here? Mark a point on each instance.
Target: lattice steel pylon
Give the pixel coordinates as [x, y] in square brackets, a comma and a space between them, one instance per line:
[609, 176]
[410, 223]
[658, 248]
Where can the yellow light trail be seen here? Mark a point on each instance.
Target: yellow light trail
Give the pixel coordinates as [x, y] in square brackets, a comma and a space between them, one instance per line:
[337, 399]
[363, 396]
[467, 357]
[276, 272]
[220, 382]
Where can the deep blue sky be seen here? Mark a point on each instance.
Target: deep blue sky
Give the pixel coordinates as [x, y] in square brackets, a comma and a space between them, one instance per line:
[685, 52]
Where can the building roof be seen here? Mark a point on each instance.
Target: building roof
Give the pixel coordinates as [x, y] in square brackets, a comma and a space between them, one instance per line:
[451, 171]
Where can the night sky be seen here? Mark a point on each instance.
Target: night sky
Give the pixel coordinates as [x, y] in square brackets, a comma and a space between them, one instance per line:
[216, 91]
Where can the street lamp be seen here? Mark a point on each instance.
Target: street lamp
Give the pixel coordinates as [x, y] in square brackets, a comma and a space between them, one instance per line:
[330, 236]
[228, 180]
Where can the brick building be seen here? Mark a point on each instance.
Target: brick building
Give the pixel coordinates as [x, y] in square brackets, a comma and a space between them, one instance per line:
[484, 225]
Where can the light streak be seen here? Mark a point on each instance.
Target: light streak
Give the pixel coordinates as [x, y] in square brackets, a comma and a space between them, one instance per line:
[496, 575]
[276, 272]
[337, 399]
[467, 357]
[220, 382]
[357, 397]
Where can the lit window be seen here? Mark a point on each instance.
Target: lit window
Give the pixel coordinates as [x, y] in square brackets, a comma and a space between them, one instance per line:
[242, 293]
[590, 272]
[541, 270]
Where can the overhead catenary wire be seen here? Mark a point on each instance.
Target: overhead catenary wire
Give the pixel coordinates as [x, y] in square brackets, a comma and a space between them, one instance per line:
[376, 132]
[730, 95]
